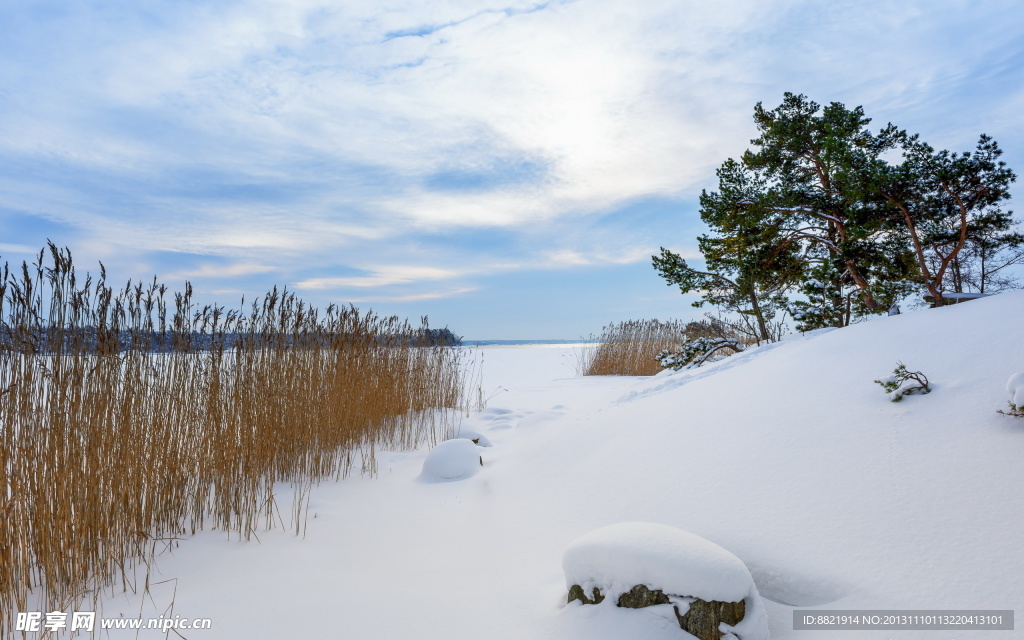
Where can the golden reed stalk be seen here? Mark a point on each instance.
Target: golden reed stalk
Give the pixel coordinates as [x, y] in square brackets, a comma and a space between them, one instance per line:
[125, 424]
[629, 348]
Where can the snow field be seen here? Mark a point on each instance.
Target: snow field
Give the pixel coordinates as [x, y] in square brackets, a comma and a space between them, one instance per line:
[788, 456]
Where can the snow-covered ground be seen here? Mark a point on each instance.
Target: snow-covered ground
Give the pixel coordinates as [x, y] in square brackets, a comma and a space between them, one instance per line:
[789, 457]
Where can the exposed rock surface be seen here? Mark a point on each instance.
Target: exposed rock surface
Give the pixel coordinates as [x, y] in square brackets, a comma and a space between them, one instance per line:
[640, 596]
[576, 593]
[701, 619]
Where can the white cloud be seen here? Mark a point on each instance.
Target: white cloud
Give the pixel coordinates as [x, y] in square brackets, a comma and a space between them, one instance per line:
[434, 295]
[316, 138]
[18, 248]
[402, 275]
[585, 89]
[222, 271]
[382, 277]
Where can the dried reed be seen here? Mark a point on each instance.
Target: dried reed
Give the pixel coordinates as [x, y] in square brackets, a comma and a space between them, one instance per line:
[629, 348]
[125, 423]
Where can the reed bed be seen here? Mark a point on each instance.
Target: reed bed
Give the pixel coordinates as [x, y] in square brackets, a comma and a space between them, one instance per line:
[629, 348]
[127, 421]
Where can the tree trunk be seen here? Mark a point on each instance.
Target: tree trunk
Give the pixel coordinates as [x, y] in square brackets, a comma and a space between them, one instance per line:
[761, 327]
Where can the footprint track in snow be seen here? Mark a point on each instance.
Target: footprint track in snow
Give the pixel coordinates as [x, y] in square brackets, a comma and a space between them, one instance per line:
[496, 418]
[537, 418]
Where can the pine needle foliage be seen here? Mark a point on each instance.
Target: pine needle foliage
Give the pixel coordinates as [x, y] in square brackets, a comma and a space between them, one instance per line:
[1017, 411]
[904, 382]
[696, 352]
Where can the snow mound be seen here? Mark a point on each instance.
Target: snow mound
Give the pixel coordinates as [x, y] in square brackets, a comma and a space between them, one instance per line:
[1015, 387]
[474, 435]
[451, 460]
[618, 557]
[657, 555]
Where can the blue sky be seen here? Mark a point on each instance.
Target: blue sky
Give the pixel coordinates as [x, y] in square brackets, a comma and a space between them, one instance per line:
[506, 168]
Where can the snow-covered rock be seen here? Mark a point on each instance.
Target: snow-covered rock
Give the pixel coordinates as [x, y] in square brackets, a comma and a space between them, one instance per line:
[451, 460]
[476, 436]
[683, 566]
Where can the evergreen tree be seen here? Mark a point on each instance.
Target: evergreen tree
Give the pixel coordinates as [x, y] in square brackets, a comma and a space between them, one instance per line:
[815, 207]
[749, 267]
[815, 160]
[990, 249]
[945, 202]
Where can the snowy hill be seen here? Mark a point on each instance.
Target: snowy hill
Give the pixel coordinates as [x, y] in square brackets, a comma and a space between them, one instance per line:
[788, 456]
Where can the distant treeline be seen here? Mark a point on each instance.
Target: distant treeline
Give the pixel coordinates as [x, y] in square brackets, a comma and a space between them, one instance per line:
[94, 340]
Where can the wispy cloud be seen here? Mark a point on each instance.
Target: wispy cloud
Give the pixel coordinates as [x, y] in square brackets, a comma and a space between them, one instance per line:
[18, 249]
[331, 144]
[385, 276]
[221, 271]
[432, 110]
[416, 297]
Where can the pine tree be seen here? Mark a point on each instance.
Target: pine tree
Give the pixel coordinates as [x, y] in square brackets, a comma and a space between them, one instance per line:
[815, 160]
[816, 207]
[990, 249]
[749, 267]
[942, 201]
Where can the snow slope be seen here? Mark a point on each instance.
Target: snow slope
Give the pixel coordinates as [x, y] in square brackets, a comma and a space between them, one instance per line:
[789, 457]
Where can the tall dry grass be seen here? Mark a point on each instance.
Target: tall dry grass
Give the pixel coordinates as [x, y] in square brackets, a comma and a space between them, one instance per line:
[629, 348]
[127, 421]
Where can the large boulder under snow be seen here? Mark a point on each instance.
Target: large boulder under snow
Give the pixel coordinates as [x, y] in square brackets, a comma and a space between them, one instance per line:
[641, 564]
[451, 460]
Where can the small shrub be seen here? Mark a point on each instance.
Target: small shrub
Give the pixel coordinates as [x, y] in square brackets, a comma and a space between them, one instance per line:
[1015, 411]
[904, 383]
[696, 352]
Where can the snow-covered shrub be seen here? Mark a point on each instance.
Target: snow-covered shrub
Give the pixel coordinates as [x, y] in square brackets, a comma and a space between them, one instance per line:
[904, 383]
[696, 352]
[451, 460]
[1015, 387]
[1016, 411]
[670, 566]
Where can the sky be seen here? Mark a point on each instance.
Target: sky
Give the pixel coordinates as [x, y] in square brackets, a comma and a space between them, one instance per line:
[506, 168]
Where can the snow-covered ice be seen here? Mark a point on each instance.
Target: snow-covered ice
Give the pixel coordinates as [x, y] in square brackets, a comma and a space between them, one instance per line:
[788, 456]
